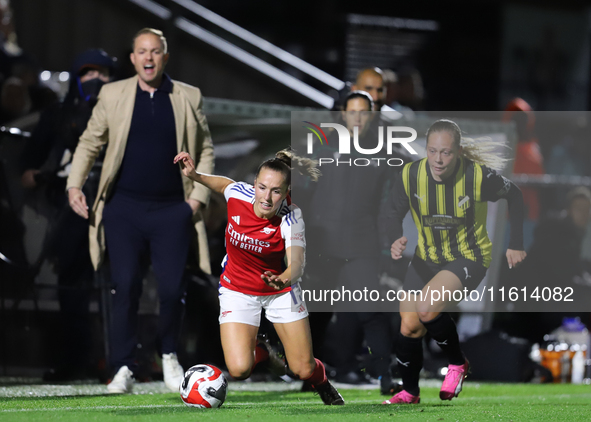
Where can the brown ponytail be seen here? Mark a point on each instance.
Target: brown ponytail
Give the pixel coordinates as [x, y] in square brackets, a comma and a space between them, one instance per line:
[286, 160]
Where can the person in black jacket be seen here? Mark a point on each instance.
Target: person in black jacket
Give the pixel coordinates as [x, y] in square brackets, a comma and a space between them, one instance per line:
[550, 265]
[344, 243]
[45, 162]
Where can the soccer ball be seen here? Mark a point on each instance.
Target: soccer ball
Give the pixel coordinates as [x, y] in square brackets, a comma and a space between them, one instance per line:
[204, 386]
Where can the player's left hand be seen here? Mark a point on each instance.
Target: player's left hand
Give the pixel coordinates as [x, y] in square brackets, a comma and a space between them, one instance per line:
[275, 281]
[514, 258]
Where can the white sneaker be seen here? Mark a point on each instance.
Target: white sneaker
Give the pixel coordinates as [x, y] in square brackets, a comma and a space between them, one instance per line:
[122, 382]
[173, 372]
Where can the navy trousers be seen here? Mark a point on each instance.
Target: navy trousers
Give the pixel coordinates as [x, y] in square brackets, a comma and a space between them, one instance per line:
[134, 228]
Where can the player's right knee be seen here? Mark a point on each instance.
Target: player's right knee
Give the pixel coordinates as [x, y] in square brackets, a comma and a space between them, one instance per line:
[240, 371]
[412, 330]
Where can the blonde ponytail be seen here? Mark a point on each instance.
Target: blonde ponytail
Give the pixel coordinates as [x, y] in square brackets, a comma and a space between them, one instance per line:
[484, 151]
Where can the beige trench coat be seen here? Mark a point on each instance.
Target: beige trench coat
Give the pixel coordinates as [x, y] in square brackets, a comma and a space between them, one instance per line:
[109, 125]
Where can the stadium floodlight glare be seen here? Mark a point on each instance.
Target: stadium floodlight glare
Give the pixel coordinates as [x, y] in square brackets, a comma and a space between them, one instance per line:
[155, 8]
[254, 62]
[5, 258]
[264, 45]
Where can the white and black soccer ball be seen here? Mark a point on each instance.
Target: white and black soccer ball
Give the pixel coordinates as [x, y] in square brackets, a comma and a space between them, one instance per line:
[204, 386]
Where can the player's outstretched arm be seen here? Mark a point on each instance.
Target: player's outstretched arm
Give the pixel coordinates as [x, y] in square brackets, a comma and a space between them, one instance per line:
[294, 270]
[215, 183]
[398, 247]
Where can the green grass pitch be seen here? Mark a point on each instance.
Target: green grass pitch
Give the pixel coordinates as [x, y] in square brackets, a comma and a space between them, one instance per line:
[478, 402]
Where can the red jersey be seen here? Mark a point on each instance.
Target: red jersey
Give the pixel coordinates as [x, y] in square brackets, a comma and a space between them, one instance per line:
[255, 245]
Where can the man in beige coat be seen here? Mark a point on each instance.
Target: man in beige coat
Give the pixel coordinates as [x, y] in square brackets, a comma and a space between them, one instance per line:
[143, 204]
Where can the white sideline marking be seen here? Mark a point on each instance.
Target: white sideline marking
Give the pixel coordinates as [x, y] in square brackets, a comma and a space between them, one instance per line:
[282, 403]
[158, 406]
[54, 409]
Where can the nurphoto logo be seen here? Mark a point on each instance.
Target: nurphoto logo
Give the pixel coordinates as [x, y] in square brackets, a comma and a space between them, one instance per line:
[344, 146]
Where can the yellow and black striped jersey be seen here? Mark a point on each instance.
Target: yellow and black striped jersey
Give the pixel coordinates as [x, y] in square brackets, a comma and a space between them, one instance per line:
[451, 215]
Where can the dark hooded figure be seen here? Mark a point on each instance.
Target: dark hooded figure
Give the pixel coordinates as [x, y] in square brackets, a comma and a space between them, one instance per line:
[46, 164]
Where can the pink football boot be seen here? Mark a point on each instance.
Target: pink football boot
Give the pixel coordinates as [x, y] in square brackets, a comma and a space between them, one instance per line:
[454, 379]
[403, 398]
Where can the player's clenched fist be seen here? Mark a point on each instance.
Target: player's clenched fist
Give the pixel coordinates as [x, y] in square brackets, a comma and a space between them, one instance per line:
[398, 247]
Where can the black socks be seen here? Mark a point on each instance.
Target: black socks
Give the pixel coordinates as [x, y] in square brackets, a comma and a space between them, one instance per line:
[409, 355]
[409, 351]
[443, 330]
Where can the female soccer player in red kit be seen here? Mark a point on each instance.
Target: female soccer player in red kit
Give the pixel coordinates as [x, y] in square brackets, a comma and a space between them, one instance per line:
[263, 230]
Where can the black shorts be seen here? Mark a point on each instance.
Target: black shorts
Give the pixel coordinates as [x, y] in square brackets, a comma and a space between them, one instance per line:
[420, 272]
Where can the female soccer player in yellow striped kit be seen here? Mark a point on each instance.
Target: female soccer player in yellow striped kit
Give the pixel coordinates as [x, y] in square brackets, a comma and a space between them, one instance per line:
[447, 193]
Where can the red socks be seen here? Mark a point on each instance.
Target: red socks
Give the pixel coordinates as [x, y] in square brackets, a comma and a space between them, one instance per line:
[318, 377]
[260, 355]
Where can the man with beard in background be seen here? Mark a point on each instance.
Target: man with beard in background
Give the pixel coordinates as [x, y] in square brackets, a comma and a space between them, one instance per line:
[143, 207]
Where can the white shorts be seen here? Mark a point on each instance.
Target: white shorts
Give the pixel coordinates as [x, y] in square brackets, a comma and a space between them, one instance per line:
[279, 309]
